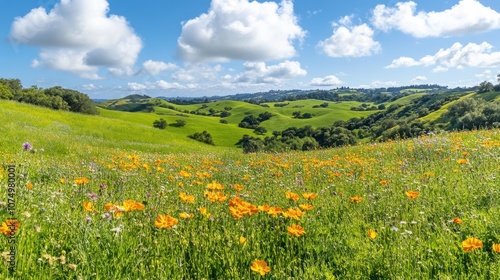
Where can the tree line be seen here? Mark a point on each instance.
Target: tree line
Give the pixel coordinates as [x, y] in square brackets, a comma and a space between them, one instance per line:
[56, 98]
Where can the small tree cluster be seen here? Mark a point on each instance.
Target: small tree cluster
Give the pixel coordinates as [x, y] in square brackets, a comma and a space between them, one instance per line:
[203, 137]
[161, 124]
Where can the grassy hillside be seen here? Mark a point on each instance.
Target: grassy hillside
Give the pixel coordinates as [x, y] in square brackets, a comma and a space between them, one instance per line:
[66, 133]
[282, 119]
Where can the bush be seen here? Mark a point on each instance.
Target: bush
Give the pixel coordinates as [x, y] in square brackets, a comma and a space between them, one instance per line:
[260, 130]
[203, 137]
[161, 124]
[179, 123]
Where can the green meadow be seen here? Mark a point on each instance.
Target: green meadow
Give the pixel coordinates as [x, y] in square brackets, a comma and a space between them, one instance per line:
[111, 197]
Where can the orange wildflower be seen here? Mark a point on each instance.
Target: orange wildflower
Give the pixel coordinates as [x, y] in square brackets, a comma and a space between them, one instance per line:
[264, 208]
[462, 161]
[384, 182]
[260, 266]
[412, 194]
[292, 196]
[309, 195]
[457, 221]
[356, 199]
[215, 196]
[165, 221]
[238, 187]
[471, 244]
[9, 227]
[215, 186]
[186, 215]
[29, 186]
[81, 181]
[185, 174]
[496, 247]
[296, 230]
[274, 211]
[306, 207]
[292, 213]
[186, 198]
[87, 205]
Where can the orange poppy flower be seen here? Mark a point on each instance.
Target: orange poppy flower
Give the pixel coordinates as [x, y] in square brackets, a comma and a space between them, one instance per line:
[260, 266]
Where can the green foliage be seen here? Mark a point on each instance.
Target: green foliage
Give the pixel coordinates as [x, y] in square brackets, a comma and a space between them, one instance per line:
[485, 87]
[161, 123]
[249, 121]
[301, 139]
[179, 123]
[56, 98]
[203, 137]
[300, 115]
[5, 92]
[471, 114]
[260, 130]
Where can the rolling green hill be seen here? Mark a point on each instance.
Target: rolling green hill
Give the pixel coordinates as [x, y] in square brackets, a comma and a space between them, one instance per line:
[61, 132]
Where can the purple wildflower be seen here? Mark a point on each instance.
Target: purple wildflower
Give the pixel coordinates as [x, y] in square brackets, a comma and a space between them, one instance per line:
[27, 146]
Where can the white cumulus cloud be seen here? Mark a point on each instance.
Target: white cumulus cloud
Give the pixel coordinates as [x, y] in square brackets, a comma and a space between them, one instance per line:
[78, 36]
[329, 80]
[260, 73]
[466, 17]
[350, 41]
[155, 67]
[241, 30]
[457, 56]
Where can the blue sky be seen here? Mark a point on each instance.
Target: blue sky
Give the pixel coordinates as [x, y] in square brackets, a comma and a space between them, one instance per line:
[113, 48]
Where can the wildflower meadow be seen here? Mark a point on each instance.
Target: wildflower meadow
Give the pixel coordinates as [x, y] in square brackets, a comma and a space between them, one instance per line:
[415, 209]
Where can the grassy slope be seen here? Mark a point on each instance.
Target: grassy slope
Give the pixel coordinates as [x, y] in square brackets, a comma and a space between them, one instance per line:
[228, 134]
[59, 132]
[437, 114]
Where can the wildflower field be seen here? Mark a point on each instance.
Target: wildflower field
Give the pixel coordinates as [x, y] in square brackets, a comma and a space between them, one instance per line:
[416, 209]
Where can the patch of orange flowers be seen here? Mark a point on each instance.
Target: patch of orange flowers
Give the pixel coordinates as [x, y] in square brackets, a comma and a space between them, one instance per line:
[81, 181]
[239, 208]
[186, 198]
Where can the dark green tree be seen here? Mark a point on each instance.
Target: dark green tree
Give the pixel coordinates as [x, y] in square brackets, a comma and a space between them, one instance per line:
[161, 123]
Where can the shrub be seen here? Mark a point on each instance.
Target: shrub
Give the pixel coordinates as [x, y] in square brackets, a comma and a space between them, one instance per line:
[161, 123]
[203, 137]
